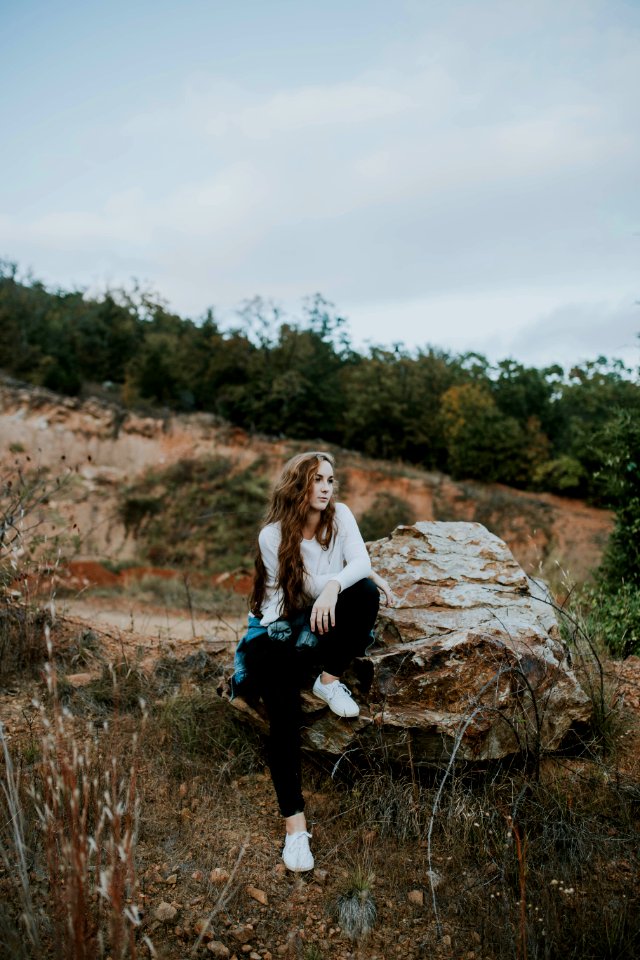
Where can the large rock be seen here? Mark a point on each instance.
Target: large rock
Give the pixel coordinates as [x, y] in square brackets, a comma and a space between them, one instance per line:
[470, 654]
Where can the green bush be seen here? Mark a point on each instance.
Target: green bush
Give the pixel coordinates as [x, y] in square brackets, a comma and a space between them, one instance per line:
[384, 515]
[564, 475]
[204, 511]
[198, 726]
[613, 618]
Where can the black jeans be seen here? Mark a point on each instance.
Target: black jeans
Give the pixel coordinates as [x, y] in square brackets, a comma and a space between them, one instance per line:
[281, 669]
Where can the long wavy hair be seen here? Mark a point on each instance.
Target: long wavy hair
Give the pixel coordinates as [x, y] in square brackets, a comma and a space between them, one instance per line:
[288, 507]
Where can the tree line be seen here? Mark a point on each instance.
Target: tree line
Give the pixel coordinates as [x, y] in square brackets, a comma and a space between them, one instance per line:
[534, 428]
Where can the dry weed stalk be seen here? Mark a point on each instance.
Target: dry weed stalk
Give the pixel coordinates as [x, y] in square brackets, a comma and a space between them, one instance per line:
[14, 851]
[86, 806]
[521, 850]
[88, 813]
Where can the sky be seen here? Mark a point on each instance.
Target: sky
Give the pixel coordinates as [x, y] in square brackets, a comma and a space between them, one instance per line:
[463, 174]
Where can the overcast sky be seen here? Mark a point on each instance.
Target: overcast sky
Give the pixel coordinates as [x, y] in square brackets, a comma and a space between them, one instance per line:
[461, 174]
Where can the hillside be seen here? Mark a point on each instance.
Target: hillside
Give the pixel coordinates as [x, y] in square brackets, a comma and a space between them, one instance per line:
[113, 454]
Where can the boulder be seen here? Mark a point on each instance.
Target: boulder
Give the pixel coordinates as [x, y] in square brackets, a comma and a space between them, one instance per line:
[470, 656]
[470, 653]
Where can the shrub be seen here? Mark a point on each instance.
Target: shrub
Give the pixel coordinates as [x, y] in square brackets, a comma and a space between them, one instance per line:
[612, 617]
[204, 510]
[83, 797]
[30, 546]
[564, 475]
[385, 514]
[200, 726]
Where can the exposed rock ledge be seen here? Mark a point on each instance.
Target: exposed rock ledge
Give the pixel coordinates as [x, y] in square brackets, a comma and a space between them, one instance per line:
[471, 651]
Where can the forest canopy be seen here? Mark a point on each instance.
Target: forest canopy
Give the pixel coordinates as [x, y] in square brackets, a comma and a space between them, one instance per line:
[300, 377]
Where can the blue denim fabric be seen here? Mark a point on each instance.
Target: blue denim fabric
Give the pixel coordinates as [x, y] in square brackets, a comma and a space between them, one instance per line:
[282, 630]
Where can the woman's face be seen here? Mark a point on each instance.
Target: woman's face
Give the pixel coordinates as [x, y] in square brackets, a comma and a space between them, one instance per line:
[321, 486]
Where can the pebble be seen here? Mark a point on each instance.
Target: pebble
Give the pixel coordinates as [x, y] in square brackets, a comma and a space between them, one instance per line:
[320, 876]
[197, 875]
[172, 879]
[416, 897]
[165, 912]
[257, 894]
[218, 876]
[79, 679]
[203, 928]
[218, 949]
[242, 934]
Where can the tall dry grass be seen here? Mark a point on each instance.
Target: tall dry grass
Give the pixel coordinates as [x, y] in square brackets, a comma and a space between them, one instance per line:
[81, 799]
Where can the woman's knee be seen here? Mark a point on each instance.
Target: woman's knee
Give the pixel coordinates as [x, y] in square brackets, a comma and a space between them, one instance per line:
[363, 592]
[360, 601]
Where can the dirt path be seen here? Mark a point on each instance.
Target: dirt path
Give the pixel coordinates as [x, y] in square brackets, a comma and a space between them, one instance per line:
[158, 623]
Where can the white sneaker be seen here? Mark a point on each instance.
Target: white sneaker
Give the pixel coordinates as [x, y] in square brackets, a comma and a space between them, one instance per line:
[296, 853]
[337, 697]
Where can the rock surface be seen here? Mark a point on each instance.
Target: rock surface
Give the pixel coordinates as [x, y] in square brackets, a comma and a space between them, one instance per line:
[471, 653]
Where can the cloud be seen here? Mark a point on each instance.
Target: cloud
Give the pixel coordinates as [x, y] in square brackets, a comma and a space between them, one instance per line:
[582, 330]
[495, 149]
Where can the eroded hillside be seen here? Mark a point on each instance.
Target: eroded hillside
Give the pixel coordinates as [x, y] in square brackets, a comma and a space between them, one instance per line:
[110, 452]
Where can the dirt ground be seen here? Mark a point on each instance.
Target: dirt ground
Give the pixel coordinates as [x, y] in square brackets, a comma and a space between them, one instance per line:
[208, 850]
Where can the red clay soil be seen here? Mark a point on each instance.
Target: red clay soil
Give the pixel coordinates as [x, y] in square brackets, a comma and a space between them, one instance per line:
[79, 574]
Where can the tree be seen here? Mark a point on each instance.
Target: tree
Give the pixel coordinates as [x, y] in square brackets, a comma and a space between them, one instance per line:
[482, 443]
[393, 404]
[619, 478]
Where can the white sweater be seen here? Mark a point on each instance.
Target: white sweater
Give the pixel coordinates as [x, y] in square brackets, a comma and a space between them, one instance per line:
[345, 560]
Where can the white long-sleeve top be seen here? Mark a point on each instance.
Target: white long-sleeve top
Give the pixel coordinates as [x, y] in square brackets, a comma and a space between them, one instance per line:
[345, 560]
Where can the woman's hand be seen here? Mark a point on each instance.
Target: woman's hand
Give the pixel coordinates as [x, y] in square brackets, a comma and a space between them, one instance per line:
[390, 598]
[323, 612]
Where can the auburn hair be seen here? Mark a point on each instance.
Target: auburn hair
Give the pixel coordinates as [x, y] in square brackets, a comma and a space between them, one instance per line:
[288, 507]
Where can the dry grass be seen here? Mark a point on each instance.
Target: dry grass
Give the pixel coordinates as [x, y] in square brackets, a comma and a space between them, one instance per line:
[518, 867]
[81, 803]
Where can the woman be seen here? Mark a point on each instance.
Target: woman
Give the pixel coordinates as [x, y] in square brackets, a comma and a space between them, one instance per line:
[314, 600]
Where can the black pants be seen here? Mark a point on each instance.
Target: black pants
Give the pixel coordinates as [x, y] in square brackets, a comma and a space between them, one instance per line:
[281, 669]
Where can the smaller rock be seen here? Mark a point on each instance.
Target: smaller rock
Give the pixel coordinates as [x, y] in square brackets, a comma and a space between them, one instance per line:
[182, 792]
[164, 912]
[79, 679]
[218, 876]
[172, 879]
[416, 897]
[203, 929]
[242, 934]
[257, 894]
[218, 949]
[197, 875]
[320, 876]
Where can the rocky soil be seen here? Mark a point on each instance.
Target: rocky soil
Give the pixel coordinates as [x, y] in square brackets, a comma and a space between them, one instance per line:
[211, 882]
